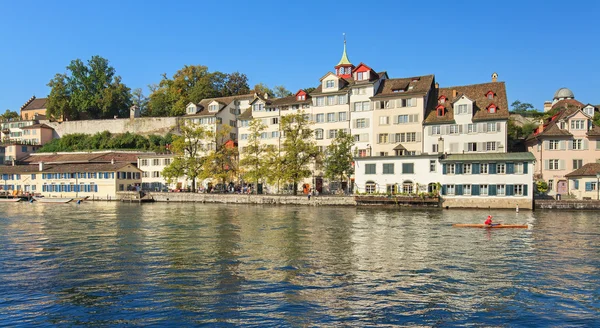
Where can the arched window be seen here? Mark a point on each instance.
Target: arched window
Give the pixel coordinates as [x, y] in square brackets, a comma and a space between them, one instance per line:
[407, 187]
[440, 111]
[432, 187]
[370, 187]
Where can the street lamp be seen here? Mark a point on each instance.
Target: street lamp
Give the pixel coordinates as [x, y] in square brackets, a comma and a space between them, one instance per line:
[597, 186]
[369, 148]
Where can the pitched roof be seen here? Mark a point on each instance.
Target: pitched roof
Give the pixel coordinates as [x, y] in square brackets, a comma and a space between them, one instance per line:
[567, 103]
[476, 92]
[289, 100]
[246, 115]
[590, 169]
[402, 86]
[551, 128]
[203, 104]
[95, 157]
[521, 156]
[37, 126]
[65, 168]
[346, 83]
[35, 103]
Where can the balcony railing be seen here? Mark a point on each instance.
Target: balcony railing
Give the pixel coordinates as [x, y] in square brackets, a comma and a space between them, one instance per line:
[28, 142]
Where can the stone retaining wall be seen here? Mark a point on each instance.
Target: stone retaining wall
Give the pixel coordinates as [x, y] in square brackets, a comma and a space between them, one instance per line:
[487, 203]
[253, 199]
[142, 125]
[567, 204]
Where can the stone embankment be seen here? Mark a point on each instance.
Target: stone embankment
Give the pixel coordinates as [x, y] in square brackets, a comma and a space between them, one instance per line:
[253, 199]
[567, 204]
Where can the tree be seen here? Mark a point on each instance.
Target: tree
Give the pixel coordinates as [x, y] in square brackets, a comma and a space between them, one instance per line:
[236, 84]
[9, 114]
[255, 161]
[89, 90]
[299, 148]
[338, 162]
[220, 163]
[280, 91]
[141, 101]
[309, 89]
[525, 109]
[189, 154]
[263, 89]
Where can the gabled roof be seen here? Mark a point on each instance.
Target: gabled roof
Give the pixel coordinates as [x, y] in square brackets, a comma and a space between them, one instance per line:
[345, 84]
[35, 103]
[388, 86]
[590, 169]
[551, 128]
[475, 92]
[37, 126]
[94, 157]
[203, 104]
[66, 168]
[566, 103]
[246, 115]
[289, 100]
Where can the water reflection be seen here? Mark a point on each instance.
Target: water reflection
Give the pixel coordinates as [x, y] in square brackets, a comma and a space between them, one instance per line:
[187, 264]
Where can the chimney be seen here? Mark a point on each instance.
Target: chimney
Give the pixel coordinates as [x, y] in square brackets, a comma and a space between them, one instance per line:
[266, 95]
[547, 106]
[541, 126]
[41, 165]
[454, 93]
[440, 145]
[13, 162]
[495, 77]
[112, 161]
[437, 85]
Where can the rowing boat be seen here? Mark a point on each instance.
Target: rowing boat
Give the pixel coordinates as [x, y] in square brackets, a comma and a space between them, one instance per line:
[52, 200]
[469, 225]
[9, 200]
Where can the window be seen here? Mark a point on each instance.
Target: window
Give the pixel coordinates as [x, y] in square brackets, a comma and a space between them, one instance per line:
[332, 133]
[408, 168]
[407, 187]
[330, 100]
[342, 116]
[491, 127]
[156, 162]
[320, 118]
[301, 97]
[370, 187]
[550, 185]
[144, 162]
[320, 101]
[274, 134]
[384, 120]
[411, 137]
[360, 76]
[467, 168]
[577, 124]
[361, 106]
[519, 190]
[382, 138]
[330, 84]
[330, 117]
[388, 168]
[463, 109]
[432, 166]
[435, 130]
[318, 134]
[490, 95]
[24, 149]
[454, 129]
[467, 190]
[500, 190]
[472, 146]
[410, 102]
[450, 189]
[501, 168]
[391, 188]
[191, 110]
[213, 108]
[435, 148]
[577, 163]
[145, 174]
[492, 109]
[490, 146]
[342, 100]
[450, 169]
[483, 190]
[553, 164]
[155, 174]
[258, 107]
[370, 169]
[553, 144]
[167, 161]
[362, 153]
[275, 120]
[244, 136]
[471, 128]
[361, 123]
[518, 168]
[483, 168]
[441, 111]
[577, 144]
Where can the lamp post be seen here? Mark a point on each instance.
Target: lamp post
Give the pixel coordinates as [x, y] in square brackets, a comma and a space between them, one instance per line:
[369, 149]
[597, 185]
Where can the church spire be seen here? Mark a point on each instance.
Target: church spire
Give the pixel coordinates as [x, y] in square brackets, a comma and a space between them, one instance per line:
[344, 67]
[344, 60]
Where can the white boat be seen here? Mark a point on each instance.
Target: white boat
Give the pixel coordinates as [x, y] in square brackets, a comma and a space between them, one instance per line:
[52, 200]
[10, 200]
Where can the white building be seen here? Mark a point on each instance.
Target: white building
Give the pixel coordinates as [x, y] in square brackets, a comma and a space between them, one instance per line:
[468, 119]
[152, 166]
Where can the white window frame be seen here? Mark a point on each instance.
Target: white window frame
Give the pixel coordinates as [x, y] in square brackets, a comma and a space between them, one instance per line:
[518, 190]
[484, 190]
[501, 168]
[484, 168]
[500, 190]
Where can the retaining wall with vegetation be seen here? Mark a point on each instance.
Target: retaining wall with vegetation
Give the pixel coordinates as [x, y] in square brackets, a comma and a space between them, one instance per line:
[253, 199]
[142, 125]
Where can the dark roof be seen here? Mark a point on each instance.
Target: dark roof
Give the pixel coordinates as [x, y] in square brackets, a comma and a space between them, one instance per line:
[246, 115]
[99, 157]
[203, 104]
[550, 127]
[36, 126]
[475, 92]
[419, 84]
[35, 103]
[346, 84]
[522, 156]
[65, 168]
[567, 103]
[590, 169]
[290, 100]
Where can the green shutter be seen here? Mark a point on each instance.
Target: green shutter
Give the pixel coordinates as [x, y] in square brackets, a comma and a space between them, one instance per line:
[525, 167]
[475, 168]
[475, 190]
[510, 168]
[443, 189]
[510, 190]
[525, 190]
[492, 168]
[459, 190]
[444, 168]
[492, 190]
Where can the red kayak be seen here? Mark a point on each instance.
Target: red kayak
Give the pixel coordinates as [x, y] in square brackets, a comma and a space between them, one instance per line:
[493, 226]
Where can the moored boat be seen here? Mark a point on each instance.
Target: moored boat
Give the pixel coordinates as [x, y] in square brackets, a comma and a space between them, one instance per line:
[52, 200]
[9, 200]
[493, 226]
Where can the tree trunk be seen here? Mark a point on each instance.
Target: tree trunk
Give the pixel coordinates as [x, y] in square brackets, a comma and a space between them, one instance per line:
[295, 188]
[193, 184]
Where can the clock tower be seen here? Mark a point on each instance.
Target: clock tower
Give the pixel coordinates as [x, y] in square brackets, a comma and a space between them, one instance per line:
[344, 68]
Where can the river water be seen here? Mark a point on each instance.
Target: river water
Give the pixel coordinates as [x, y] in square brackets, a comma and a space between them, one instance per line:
[112, 264]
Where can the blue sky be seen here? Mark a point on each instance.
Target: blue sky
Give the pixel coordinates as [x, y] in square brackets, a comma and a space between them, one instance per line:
[535, 46]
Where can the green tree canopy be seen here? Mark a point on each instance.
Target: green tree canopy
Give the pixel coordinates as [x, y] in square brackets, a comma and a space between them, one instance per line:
[191, 84]
[89, 90]
[525, 109]
[338, 161]
[108, 141]
[221, 161]
[255, 162]
[9, 114]
[299, 148]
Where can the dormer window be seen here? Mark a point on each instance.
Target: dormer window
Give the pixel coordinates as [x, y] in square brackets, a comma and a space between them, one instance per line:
[416, 79]
[589, 111]
[301, 97]
[258, 107]
[441, 110]
[213, 108]
[490, 95]
[492, 109]
[398, 90]
[410, 87]
[191, 110]
[330, 84]
[442, 99]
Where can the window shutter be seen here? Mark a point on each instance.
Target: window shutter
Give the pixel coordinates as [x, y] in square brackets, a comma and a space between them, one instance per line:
[481, 146]
[525, 190]
[475, 168]
[510, 190]
[377, 105]
[570, 145]
[492, 190]
[546, 144]
[585, 144]
[588, 186]
[576, 184]
[498, 144]
[483, 127]
[460, 128]
[354, 124]
[398, 103]
[459, 190]
[444, 188]
[561, 164]
[492, 168]
[444, 168]
[562, 145]
[510, 168]
[429, 131]
[475, 190]
[418, 136]
[458, 168]
[525, 164]
[466, 146]
[498, 127]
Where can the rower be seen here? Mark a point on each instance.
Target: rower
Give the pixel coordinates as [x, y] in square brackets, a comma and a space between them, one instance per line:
[488, 221]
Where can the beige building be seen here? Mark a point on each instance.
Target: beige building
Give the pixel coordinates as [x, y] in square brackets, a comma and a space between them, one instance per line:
[152, 166]
[584, 182]
[34, 109]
